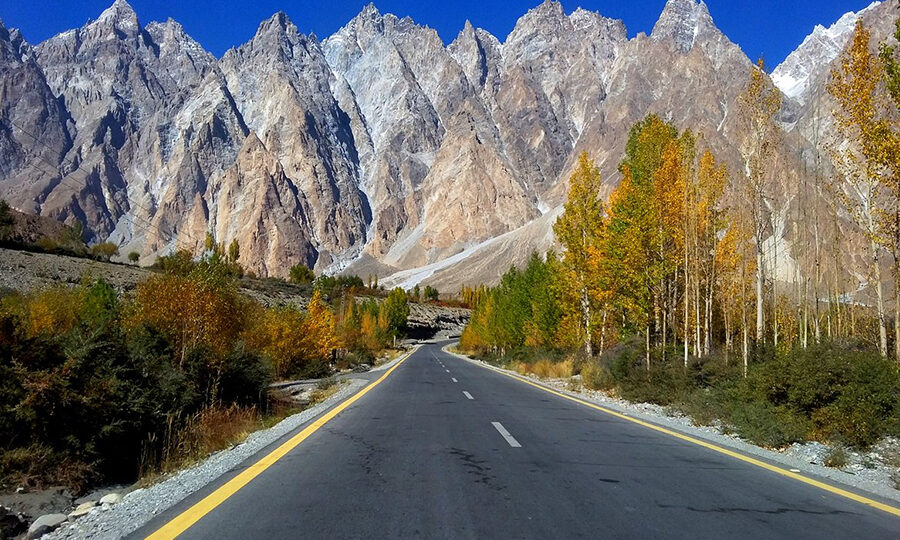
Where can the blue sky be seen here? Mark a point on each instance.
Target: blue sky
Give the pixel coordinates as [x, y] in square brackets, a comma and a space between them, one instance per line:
[772, 28]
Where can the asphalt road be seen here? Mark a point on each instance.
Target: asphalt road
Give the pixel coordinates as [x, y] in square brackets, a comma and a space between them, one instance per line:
[443, 448]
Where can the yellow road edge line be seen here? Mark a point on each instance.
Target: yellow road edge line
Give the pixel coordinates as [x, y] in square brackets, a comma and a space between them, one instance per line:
[192, 515]
[714, 447]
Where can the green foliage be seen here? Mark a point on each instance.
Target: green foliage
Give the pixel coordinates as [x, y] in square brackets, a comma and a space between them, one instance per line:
[395, 312]
[134, 257]
[431, 294]
[300, 274]
[335, 285]
[522, 310]
[6, 220]
[831, 392]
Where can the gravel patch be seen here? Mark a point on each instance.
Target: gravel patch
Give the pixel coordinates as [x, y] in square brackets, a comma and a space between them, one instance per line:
[139, 506]
[872, 471]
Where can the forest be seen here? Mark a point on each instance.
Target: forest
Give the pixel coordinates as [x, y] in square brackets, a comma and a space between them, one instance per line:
[673, 290]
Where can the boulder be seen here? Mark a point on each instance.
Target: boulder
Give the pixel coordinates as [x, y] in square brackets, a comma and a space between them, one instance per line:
[45, 524]
[82, 510]
[111, 498]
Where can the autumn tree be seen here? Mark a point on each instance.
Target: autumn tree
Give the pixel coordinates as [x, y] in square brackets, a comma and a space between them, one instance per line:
[758, 105]
[860, 120]
[891, 155]
[580, 229]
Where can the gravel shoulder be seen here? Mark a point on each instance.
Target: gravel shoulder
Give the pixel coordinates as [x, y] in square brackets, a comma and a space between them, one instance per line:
[139, 506]
[865, 472]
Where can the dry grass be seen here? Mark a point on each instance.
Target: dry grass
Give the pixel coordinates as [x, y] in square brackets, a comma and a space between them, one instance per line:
[546, 369]
[324, 390]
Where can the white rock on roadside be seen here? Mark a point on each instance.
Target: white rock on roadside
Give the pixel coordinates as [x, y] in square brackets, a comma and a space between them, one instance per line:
[82, 509]
[111, 498]
[45, 524]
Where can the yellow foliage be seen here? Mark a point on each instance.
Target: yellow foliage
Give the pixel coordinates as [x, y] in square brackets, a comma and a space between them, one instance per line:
[190, 311]
[53, 311]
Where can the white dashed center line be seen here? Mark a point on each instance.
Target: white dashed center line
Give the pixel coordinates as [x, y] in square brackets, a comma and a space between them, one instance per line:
[468, 395]
[453, 379]
[509, 438]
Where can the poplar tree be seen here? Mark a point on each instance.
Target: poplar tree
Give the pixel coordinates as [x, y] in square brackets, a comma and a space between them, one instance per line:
[580, 229]
[758, 105]
[861, 161]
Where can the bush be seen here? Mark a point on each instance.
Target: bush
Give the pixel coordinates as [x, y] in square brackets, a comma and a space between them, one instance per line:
[105, 251]
[595, 376]
[94, 390]
[301, 274]
[134, 257]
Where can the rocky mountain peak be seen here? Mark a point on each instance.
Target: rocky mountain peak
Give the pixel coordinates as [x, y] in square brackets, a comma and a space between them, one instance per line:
[683, 22]
[120, 16]
[795, 75]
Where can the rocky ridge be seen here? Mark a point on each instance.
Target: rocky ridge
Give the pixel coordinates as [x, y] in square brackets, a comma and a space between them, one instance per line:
[379, 150]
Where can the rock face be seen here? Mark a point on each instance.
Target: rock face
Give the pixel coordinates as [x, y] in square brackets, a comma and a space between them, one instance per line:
[378, 150]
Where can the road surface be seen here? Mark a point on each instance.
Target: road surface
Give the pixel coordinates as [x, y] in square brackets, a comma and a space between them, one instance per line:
[443, 448]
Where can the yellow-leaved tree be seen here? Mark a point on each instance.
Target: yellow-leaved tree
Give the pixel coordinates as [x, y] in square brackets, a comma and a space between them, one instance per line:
[860, 119]
[580, 230]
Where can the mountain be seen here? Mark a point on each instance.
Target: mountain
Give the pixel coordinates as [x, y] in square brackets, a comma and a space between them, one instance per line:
[378, 150]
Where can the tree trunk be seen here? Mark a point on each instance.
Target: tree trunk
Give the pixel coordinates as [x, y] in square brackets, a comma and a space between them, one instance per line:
[879, 291]
[586, 320]
[603, 331]
[759, 294]
[647, 330]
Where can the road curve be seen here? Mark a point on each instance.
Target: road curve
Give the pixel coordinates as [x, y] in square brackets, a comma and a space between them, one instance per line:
[442, 448]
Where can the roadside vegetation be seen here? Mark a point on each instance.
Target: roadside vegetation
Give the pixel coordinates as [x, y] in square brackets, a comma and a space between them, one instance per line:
[98, 387]
[667, 292]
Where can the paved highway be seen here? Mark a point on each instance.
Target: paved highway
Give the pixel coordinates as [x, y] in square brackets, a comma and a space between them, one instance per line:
[443, 448]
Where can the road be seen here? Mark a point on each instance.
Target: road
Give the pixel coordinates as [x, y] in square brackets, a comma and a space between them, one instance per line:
[443, 448]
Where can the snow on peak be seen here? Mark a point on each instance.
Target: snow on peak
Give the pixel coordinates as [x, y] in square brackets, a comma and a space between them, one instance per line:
[815, 54]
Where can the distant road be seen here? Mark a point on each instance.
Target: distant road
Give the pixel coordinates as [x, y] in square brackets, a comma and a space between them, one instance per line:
[442, 448]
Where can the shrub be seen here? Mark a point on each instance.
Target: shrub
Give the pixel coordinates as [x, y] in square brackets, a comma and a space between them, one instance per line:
[301, 274]
[134, 257]
[200, 309]
[837, 457]
[105, 251]
[595, 376]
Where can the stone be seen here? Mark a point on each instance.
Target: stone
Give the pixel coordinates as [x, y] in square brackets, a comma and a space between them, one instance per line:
[46, 524]
[111, 498]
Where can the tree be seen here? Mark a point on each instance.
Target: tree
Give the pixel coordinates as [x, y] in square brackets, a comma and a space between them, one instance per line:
[301, 275]
[431, 294]
[580, 229]
[892, 155]
[395, 312]
[7, 221]
[105, 250]
[859, 119]
[134, 257]
[758, 105]
[234, 251]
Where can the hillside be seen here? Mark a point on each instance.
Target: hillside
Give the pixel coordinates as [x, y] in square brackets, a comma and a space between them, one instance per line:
[380, 149]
